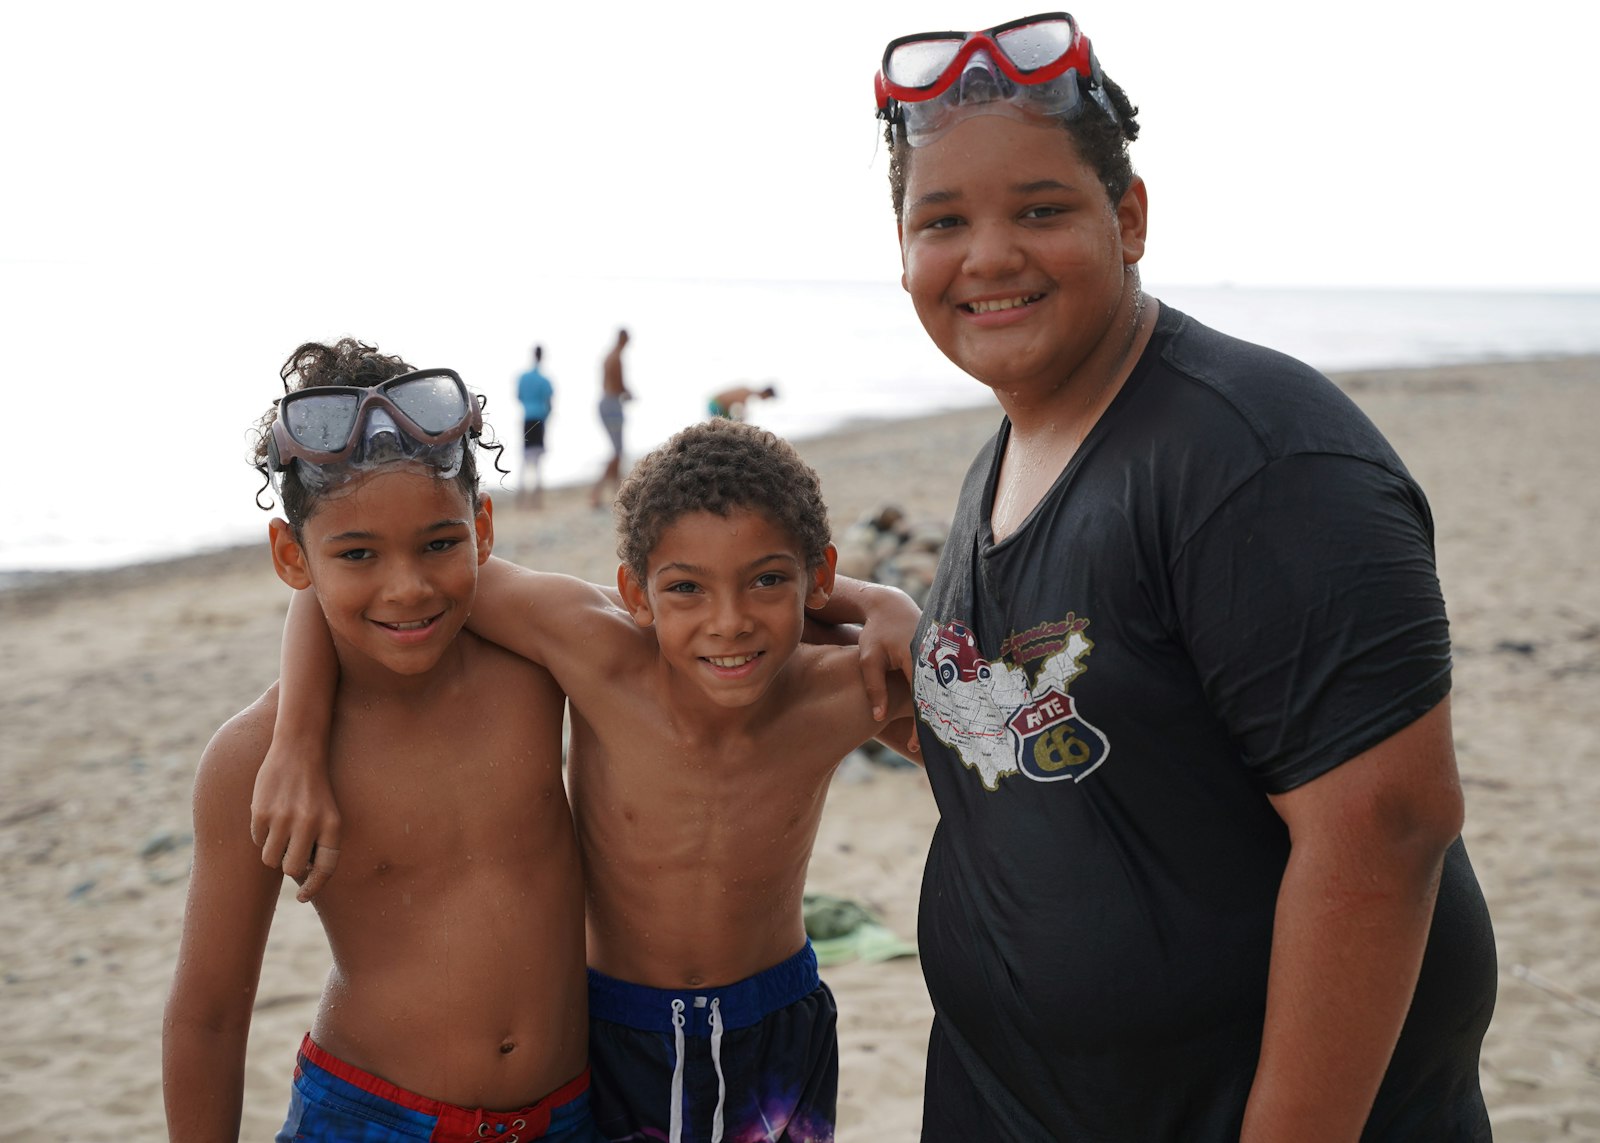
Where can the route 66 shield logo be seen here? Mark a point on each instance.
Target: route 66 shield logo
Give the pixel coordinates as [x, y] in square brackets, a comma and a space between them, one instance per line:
[1053, 741]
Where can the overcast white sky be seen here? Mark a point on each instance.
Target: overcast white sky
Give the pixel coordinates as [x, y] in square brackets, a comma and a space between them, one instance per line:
[1405, 142]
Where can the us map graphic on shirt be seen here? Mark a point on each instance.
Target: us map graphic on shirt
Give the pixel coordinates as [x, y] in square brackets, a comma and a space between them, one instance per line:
[998, 721]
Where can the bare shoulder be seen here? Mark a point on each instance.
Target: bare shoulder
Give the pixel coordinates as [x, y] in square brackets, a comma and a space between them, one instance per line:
[241, 743]
[837, 668]
[823, 705]
[226, 776]
[494, 670]
[830, 677]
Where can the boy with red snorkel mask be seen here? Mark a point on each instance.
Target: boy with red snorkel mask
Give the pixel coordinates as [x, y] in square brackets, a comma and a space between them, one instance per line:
[443, 1000]
[1198, 874]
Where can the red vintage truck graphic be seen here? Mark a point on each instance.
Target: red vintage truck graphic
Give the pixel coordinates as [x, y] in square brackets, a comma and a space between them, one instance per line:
[954, 655]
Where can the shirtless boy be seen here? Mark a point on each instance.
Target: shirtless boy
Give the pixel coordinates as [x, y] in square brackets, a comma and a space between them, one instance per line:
[613, 392]
[456, 930]
[704, 736]
[731, 403]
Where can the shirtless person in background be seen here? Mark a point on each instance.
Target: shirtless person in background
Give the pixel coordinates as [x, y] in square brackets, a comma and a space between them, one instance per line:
[612, 393]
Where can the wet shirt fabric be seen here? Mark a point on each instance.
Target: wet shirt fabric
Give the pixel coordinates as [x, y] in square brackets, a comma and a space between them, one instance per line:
[1229, 591]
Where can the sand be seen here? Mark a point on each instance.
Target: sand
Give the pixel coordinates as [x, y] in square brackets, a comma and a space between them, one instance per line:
[111, 683]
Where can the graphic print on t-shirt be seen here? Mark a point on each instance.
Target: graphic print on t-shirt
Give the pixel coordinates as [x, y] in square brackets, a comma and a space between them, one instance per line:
[996, 720]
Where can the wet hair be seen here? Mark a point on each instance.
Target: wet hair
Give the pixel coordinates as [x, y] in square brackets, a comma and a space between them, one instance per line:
[723, 467]
[348, 362]
[1100, 143]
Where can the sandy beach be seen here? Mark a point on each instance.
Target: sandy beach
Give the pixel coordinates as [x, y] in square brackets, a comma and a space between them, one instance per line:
[111, 683]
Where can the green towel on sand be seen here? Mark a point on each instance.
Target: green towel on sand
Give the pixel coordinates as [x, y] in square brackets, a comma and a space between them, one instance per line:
[841, 929]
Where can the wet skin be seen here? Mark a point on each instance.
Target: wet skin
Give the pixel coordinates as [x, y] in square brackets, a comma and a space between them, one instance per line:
[1023, 271]
[456, 921]
[704, 737]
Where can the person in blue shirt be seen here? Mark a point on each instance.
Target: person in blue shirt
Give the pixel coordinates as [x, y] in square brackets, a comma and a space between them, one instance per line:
[536, 394]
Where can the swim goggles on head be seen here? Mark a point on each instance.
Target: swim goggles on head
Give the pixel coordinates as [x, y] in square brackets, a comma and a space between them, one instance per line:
[1036, 66]
[333, 430]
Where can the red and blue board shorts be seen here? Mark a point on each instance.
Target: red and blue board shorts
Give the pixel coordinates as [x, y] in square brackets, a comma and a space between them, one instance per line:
[336, 1102]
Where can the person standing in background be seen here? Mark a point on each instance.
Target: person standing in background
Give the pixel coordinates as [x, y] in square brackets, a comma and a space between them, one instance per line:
[537, 395]
[612, 393]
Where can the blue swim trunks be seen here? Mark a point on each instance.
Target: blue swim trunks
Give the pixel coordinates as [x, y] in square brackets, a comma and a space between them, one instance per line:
[336, 1102]
[753, 1060]
[611, 418]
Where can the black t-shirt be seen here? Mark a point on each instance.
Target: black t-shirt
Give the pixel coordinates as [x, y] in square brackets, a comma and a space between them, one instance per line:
[1227, 592]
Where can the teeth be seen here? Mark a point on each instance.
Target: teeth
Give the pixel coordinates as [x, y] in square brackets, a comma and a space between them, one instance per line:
[1000, 304]
[414, 625]
[729, 660]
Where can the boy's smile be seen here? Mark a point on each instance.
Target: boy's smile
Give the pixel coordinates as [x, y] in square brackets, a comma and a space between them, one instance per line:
[394, 561]
[734, 666]
[1015, 259]
[987, 306]
[416, 631]
[727, 598]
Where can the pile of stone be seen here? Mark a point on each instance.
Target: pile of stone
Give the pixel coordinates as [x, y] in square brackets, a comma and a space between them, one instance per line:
[885, 547]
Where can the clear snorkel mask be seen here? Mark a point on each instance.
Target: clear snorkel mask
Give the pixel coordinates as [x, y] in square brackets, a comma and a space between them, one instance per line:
[332, 433]
[1038, 67]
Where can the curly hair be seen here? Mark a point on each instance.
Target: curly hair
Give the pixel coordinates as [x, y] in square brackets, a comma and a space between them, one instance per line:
[720, 466]
[347, 362]
[1100, 143]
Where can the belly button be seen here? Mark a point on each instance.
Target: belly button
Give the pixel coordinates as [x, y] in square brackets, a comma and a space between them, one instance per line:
[507, 1047]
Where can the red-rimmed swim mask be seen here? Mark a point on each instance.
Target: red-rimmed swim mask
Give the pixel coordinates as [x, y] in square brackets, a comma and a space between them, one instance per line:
[333, 430]
[1038, 66]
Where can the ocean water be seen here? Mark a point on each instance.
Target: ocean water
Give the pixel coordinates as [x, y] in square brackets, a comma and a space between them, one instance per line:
[145, 455]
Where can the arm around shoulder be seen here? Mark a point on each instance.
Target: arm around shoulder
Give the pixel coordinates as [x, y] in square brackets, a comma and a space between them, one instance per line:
[226, 920]
[845, 705]
[293, 816]
[890, 619]
[541, 616]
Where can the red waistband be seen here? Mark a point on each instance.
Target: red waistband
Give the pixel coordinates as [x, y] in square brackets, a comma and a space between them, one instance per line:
[452, 1120]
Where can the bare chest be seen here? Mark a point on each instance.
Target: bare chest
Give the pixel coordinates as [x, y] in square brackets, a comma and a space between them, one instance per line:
[697, 796]
[438, 805]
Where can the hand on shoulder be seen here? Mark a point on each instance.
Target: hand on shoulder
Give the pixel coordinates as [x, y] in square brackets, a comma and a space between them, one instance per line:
[833, 678]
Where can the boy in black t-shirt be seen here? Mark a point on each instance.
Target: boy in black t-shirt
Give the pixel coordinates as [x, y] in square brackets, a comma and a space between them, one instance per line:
[1182, 677]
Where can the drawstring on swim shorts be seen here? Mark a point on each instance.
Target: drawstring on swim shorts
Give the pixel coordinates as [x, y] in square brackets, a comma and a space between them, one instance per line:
[716, 1062]
[675, 1120]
